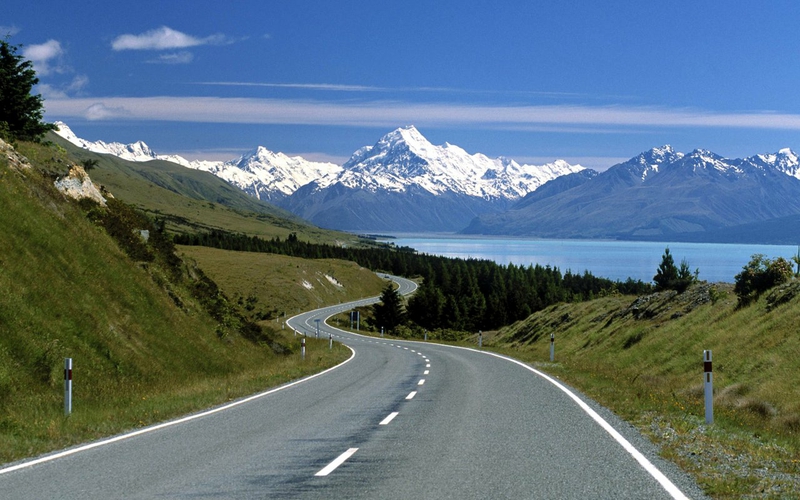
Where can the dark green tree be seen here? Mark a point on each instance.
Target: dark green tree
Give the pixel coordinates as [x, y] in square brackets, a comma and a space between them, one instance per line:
[759, 275]
[21, 113]
[667, 272]
[389, 312]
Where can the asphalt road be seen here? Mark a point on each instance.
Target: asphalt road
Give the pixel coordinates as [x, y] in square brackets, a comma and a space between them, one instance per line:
[397, 420]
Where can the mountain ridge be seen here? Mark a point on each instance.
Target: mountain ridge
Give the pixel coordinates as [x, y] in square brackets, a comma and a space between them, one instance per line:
[659, 194]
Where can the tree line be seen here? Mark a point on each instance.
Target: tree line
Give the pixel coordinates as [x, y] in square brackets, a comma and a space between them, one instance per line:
[457, 294]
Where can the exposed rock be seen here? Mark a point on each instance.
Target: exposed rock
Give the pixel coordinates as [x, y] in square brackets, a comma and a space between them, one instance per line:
[78, 185]
[671, 304]
[15, 160]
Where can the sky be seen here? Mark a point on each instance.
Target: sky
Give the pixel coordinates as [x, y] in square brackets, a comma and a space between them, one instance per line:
[593, 83]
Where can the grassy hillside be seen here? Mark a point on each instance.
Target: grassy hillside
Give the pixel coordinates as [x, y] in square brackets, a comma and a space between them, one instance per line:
[149, 339]
[189, 200]
[643, 359]
[272, 285]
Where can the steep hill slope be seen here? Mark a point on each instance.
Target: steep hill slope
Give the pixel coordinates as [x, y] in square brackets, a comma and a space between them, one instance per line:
[150, 336]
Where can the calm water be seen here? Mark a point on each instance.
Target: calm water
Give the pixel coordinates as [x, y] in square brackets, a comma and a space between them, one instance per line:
[616, 260]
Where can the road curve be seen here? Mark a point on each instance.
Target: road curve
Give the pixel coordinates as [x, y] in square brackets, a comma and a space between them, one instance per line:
[397, 420]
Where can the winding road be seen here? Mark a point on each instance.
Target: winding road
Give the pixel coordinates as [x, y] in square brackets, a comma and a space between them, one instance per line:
[396, 420]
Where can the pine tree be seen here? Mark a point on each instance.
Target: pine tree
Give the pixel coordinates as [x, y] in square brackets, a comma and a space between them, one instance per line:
[21, 112]
[667, 273]
[389, 312]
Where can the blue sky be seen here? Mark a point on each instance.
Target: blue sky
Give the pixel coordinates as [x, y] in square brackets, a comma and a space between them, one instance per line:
[589, 82]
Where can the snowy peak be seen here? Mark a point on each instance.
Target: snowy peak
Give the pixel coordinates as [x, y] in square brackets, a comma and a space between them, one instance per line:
[137, 151]
[404, 158]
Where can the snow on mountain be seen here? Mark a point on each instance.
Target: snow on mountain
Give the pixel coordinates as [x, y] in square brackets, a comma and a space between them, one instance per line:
[785, 161]
[261, 173]
[405, 158]
[268, 175]
[137, 151]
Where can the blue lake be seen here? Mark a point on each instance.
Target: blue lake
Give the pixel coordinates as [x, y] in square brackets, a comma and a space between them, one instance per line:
[616, 260]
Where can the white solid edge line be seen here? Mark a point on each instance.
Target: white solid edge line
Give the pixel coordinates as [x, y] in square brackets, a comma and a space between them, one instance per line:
[389, 418]
[646, 464]
[336, 463]
[146, 430]
[411, 395]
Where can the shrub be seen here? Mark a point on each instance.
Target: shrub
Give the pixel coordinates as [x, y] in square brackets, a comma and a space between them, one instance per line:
[759, 275]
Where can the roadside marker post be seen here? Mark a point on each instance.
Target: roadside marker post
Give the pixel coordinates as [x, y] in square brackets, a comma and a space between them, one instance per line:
[317, 320]
[303, 348]
[708, 382]
[381, 332]
[330, 338]
[552, 347]
[480, 339]
[426, 335]
[67, 386]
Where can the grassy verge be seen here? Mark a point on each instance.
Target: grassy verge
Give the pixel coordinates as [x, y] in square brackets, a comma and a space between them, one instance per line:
[642, 358]
[36, 424]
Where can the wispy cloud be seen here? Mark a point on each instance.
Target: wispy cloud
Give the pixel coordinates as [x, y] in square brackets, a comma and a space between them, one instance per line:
[44, 55]
[182, 57]
[77, 84]
[8, 31]
[164, 38]
[371, 88]
[394, 113]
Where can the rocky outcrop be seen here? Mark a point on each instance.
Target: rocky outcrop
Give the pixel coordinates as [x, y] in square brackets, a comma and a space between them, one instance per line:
[78, 185]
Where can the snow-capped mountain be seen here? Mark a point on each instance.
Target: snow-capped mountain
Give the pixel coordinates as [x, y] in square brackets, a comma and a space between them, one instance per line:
[137, 151]
[405, 158]
[659, 194]
[261, 173]
[405, 183]
[455, 185]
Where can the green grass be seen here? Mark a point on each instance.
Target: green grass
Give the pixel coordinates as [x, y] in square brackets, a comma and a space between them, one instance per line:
[282, 284]
[649, 371]
[144, 350]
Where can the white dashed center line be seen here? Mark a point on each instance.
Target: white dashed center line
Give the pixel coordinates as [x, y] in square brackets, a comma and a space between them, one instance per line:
[422, 381]
[411, 395]
[389, 418]
[336, 463]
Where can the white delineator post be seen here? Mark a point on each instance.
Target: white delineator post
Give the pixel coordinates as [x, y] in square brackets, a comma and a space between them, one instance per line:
[552, 347]
[330, 338]
[303, 348]
[480, 339]
[708, 382]
[67, 386]
[381, 331]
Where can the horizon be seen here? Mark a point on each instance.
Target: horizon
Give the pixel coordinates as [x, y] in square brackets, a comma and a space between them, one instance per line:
[589, 84]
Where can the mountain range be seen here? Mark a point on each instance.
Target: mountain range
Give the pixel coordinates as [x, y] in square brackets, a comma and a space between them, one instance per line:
[402, 183]
[661, 195]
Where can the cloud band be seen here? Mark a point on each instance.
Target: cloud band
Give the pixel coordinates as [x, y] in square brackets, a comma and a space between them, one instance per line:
[393, 113]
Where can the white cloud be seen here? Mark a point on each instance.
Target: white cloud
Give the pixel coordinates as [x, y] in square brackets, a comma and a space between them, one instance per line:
[387, 114]
[49, 91]
[102, 111]
[42, 56]
[182, 57]
[164, 38]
